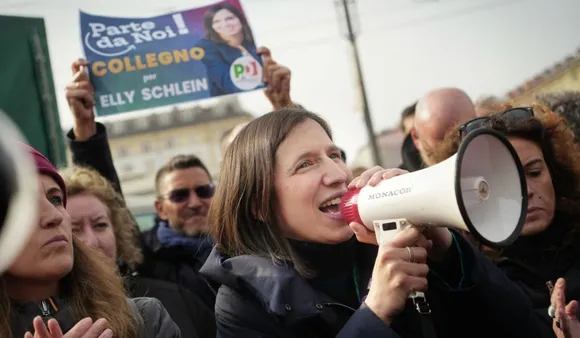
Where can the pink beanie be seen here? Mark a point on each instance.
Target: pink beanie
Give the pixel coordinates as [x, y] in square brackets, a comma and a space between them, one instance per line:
[45, 167]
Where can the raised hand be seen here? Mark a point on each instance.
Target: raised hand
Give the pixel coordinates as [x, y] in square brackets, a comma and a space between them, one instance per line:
[80, 97]
[276, 79]
[566, 323]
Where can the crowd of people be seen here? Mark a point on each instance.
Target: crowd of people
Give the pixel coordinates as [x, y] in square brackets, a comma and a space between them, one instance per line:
[265, 252]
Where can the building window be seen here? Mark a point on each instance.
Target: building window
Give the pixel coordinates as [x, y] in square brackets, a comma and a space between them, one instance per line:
[118, 127]
[146, 147]
[193, 139]
[170, 143]
[150, 164]
[164, 119]
[186, 115]
[122, 151]
[142, 123]
[127, 168]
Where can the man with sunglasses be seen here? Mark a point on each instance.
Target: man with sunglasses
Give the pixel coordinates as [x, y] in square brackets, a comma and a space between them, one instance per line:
[179, 243]
[436, 114]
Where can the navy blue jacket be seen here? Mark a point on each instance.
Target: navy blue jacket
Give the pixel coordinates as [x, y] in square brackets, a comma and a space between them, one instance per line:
[218, 59]
[261, 299]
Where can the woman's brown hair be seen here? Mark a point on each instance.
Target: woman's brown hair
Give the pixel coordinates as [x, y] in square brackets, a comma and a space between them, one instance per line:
[94, 289]
[212, 35]
[243, 210]
[81, 180]
[549, 131]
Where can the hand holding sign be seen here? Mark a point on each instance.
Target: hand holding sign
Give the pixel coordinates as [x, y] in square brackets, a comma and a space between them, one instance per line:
[79, 95]
[277, 80]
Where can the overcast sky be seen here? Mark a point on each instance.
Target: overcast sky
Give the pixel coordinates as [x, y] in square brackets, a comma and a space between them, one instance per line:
[407, 47]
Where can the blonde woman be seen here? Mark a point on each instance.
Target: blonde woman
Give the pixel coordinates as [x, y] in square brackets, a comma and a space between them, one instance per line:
[101, 220]
[59, 281]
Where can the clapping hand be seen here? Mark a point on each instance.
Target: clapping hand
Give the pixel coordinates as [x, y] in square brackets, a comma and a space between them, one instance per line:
[85, 328]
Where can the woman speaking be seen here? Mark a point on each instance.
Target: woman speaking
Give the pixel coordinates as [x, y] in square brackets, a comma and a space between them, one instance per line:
[290, 266]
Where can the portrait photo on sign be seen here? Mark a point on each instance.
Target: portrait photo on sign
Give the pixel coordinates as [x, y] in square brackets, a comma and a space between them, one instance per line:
[141, 63]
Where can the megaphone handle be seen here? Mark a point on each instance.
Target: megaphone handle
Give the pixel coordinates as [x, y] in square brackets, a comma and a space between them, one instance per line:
[386, 229]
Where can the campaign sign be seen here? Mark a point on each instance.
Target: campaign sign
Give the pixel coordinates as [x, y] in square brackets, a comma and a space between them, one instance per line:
[140, 63]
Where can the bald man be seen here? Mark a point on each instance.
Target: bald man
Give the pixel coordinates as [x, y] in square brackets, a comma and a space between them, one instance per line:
[436, 113]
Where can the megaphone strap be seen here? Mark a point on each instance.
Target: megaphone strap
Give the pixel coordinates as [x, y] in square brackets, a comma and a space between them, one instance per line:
[423, 313]
[355, 277]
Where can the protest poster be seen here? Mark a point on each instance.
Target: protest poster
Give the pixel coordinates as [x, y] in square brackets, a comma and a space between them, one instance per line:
[141, 63]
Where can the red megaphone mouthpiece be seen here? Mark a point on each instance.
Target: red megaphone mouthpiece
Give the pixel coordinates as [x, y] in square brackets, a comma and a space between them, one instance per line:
[349, 207]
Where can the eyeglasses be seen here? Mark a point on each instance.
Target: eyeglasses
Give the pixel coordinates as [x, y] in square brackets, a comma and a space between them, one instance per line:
[510, 114]
[182, 194]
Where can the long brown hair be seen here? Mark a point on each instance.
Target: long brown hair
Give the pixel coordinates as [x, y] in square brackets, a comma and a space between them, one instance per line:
[81, 180]
[94, 289]
[212, 35]
[243, 210]
[562, 154]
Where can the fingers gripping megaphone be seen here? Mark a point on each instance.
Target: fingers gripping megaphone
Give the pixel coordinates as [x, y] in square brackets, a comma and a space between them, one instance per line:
[18, 193]
[481, 189]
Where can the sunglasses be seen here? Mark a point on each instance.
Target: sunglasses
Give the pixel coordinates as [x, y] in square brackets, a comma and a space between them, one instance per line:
[182, 194]
[510, 114]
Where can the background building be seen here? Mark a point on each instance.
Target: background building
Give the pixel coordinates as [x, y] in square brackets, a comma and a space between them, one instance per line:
[563, 76]
[141, 145]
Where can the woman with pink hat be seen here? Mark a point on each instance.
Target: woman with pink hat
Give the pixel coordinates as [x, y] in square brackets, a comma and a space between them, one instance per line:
[57, 286]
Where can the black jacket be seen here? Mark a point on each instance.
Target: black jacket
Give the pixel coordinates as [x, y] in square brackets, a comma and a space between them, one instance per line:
[535, 262]
[192, 315]
[261, 299]
[410, 154]
[175, 264]
[95, 153]
[152, 319]
[194, 319]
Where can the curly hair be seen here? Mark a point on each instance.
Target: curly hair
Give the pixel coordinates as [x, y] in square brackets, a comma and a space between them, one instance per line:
[550, 131]
[80, 180]
[566, 104]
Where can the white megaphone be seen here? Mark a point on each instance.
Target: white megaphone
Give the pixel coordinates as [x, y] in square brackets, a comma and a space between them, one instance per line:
[481, 189]
[18, 193]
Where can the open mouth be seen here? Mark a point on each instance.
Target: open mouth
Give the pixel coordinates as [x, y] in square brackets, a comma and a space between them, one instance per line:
[330, 206]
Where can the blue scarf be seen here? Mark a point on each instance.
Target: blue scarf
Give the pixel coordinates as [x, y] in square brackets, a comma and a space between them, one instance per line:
[198, 244]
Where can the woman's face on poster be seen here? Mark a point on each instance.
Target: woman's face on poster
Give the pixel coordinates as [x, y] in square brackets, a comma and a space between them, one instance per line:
[226, 23]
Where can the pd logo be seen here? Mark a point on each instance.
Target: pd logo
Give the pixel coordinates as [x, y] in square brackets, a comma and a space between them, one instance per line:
[246, 73]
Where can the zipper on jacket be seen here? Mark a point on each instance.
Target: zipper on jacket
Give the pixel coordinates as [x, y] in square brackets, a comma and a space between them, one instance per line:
[47, 309]
[550, 286]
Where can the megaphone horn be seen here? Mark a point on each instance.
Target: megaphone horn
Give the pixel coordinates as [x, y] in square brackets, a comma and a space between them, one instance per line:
[481, 189]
